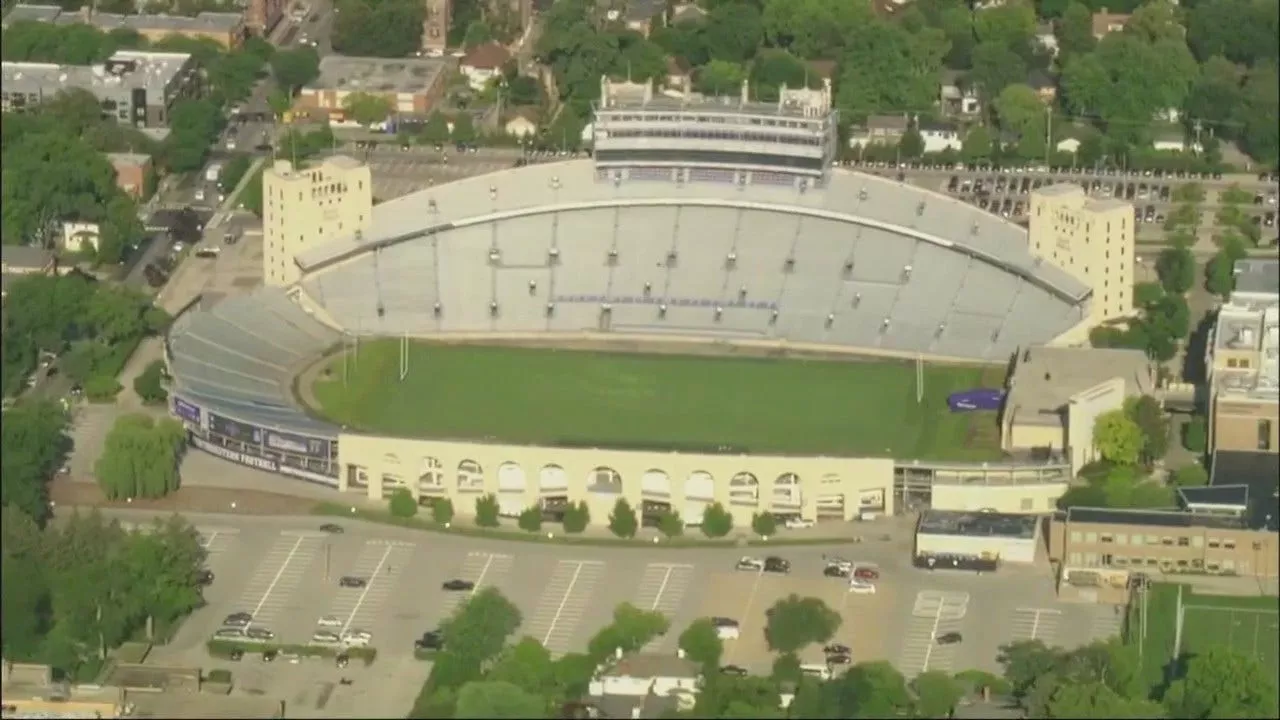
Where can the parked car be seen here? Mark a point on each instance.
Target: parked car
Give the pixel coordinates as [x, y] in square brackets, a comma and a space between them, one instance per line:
[331, 529]
[237, 619]
[775, 564]
[750, 564]
[204, 578]
[458, 585]
[835, 571]
[255, 633]
[861, 587]
[733, 670]
[797, 523]
[329, 621]
[866, 573]
[951, 638]
[350, 581]
[837, 649]
[432, 640]
[324, 636]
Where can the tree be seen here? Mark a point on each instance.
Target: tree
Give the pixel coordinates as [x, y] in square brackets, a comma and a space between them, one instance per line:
[387, 28]
[1117, 438]
[233, 172]
[294, 68]
[402, 503]
[886, 68]
[794, 622]
[937, 694]
[527, 665]
[811, 29]
[764, 524]
[487, 511]
[1075, 31]
[1147, 294]
[671, 524]
[786, 668]
[631, 629]
[1195, 434]
[497, 699]
[622, 521]
[435, 129]
[912, 143]
[193, 127]
[149, 384]
[701, 643]
[977, 143]
[719, 77]
[464, 128]
[35, 443]
[576, 517]
[1010, 25]
[1021, 111]
[478, 33]
[531, 519]
[1221, 682]
[869, 690]
[1026, 661]
[140, 457]
[1177, 269]
[774, 68]
[1191, 475]
[442, 511]
[996, 67]
[716, 521]
[479, 628]
[367, 109]
[1146, 413]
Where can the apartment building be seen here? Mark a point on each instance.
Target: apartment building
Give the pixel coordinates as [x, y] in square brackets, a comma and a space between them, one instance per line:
[228, 29]
[1091, 239]
[1226, 528]
[134, 87]
[412, 86]
[1244, 362]
[262, 16]
[303, 207]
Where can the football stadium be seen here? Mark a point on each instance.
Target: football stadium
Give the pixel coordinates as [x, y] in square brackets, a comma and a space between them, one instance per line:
[706, 310]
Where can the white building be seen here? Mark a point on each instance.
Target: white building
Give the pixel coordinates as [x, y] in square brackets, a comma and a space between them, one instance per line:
[943, 535]
[483, 63]
[940, 136]
[80, 236]
[646, 684]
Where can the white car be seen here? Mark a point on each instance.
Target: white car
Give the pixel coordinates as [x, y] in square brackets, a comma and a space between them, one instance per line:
[325, 637]
[356, 638]
[231, 143]
[796, 523]
[750, 564]
[728, 632]
[229, 633]
[329, 621]
[861, 587]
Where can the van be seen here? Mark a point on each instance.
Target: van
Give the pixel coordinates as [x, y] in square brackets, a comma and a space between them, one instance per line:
[211, 251]
[822, 672]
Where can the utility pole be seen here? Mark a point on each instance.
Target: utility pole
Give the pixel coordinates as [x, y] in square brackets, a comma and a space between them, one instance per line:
[1048, 134]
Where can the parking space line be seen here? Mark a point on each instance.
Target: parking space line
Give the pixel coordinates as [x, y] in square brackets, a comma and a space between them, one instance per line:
[275, 581]
[564, 601]
[662, 589]
[746, 610]
[934, 614]
[478, 568]
[1035, 623]
[364, 594]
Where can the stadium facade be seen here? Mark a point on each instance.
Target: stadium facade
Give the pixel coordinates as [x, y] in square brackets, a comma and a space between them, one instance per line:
[717, 220]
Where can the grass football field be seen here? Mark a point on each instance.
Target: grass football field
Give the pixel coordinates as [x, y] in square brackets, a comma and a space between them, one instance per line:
[626, 400]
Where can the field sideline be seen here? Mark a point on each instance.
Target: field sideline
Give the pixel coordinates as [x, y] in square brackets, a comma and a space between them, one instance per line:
[574, 397]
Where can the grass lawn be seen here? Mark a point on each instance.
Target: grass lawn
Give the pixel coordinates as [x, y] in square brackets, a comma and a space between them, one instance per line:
[569, 397]
[1249, 624]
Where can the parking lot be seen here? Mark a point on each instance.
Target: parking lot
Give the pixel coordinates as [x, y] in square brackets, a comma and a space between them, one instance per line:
[288, 577]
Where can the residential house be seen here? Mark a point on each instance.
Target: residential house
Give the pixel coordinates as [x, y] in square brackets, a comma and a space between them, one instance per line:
[1105, 23]
[1173, 140]
[939, 136]
[643, 16]
[1045, 86]
[19, 260]
[1068, 145]
[687, 12]
[1047, 38]
[132, 170]
[522, 122]
[957, 96]
[879, 130]
[484, 63]
[643, 685]
[679, 75]
[80, 236]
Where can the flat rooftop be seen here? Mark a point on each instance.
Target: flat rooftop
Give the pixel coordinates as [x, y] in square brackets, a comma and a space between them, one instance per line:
[1259, 276]
[793, 102]
[378, 75]
[977, 524]
[1045, 378]
[183, 705]
[1253, 477]
[1253, 329]
[208, 22]
[153, 71]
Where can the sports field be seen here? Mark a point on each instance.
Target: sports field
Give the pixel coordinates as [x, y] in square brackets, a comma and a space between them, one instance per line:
[1251, 625]
[571, 397]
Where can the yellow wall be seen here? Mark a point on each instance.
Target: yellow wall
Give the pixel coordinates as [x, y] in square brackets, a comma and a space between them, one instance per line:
[304, 207]
[406, 462]
[1026, 435]
[1033, 498]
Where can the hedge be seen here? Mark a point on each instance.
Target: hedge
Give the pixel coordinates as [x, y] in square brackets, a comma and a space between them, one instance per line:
[224, 648]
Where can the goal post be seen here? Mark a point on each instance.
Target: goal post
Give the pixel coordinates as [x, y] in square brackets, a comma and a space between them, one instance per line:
[404, 356]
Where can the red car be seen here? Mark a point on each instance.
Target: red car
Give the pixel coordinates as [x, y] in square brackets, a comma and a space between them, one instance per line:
[865, 573]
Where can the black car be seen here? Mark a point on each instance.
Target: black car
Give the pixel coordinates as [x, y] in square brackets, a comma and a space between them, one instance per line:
[837, 649]
[348, 581]
[835, 571]
[951, 638]
[429, 641]
[839, 660]
[733, 670]
[331, 529]
[458, 585]
[204, 578]
[776, 565]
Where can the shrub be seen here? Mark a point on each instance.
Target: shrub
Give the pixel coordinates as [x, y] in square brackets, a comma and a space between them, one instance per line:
[531, 519]
[622, 521]
[402, 504]
[442, 511]
[101, 388]
[671, 524]
[487, 511]
[576, 517]
[764, 524]
[149, 385]
[716, 521]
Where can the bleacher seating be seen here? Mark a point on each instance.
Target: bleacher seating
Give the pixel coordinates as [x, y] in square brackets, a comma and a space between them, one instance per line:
[683, 260]
[238, 357]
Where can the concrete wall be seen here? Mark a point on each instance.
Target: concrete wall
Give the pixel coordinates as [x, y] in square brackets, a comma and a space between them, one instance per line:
[1014, 499]
[521, 475]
